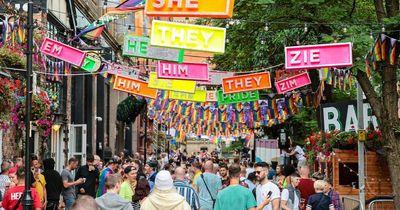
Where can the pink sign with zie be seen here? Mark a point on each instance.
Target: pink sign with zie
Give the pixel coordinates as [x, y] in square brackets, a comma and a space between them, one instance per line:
[318, 56]
[292, 83]
[63, 52]
[183, 71]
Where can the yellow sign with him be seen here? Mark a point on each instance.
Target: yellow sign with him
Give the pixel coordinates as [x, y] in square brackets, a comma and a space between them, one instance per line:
[362, 135]
[198, 96]
[187, 36]
[186, 86]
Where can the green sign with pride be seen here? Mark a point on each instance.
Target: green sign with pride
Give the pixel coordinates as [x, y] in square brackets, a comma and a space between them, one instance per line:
[237, 97]
[139, 46]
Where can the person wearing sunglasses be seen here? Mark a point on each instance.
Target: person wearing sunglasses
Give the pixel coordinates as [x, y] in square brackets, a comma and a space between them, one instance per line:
[266, 188]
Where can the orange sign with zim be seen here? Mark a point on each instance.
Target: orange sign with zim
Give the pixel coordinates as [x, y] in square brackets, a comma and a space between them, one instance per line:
[134, 86]
[247, 82]
[190, 8]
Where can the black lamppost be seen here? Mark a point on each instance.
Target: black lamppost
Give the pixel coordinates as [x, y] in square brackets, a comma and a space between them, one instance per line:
[145, 135]
[27, 201]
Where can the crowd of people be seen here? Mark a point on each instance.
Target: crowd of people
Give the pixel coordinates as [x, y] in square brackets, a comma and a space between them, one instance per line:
[175, 181]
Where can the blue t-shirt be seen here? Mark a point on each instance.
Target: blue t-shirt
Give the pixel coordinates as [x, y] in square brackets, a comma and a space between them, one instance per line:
[214, 185]
[235, 197]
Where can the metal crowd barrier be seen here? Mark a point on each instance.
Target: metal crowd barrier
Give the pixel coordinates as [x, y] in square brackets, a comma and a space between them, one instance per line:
[377, 203]
[381, 204]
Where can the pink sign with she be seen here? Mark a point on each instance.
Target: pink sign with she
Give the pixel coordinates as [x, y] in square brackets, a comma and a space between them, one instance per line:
[292, 83]
[318, 56]
[63, 52]
[182, 71]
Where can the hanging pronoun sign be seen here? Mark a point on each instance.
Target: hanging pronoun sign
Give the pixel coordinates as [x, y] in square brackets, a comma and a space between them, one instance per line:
[188, 36]
[134, 86]
[63, 52]
[246, 82]
[292, 83]
[190, 8]
[318, 56]
[182, 71]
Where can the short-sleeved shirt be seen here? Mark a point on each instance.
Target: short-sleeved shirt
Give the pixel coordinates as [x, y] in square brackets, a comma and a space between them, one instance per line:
[126, 191]
[195, 177]
[262, 192]
[40, 186]
[319, 201]
[188, 193]
[306, 187]
[13, 195]
[235, 197]
[285, 197]
[69, 192]
[214, 185]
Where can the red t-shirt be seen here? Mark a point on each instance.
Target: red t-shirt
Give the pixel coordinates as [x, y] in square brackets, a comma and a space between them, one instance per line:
[306, 187]
[12, 196]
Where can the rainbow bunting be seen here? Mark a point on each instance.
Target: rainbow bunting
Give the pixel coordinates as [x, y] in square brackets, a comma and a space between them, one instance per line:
[393, 43]
[384, 47]
[377, 50]
[367, 66]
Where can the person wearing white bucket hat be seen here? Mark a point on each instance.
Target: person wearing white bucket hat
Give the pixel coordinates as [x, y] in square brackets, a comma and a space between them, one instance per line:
[164, 195]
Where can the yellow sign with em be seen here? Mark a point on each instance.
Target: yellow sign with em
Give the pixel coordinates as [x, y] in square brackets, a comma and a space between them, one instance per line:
[186, 86]
[188, 36]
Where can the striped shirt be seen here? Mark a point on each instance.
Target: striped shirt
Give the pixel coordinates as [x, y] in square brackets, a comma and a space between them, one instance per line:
[188, 193]
[4, 182]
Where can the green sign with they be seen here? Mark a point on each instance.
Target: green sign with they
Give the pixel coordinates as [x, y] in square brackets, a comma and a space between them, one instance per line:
[139, 46]
[89, 64]
[237, 97]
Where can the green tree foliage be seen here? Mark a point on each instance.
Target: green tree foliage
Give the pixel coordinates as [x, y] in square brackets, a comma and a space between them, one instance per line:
[304, 22]
[129, 109]
[277, 24]
[302, 125]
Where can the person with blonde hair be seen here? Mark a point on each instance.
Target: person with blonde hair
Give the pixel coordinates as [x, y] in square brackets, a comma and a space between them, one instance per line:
[319, 201]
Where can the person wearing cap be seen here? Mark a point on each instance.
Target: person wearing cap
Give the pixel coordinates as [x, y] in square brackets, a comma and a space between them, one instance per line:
[13, 197]
[112, 165]
[151, 172]
[164, 196]
[129, 185]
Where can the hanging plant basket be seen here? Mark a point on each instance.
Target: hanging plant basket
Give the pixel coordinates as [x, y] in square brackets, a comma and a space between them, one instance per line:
[129, 109]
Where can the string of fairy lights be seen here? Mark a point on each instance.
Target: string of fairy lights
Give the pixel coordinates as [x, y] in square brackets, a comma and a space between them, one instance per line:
[267, 24]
